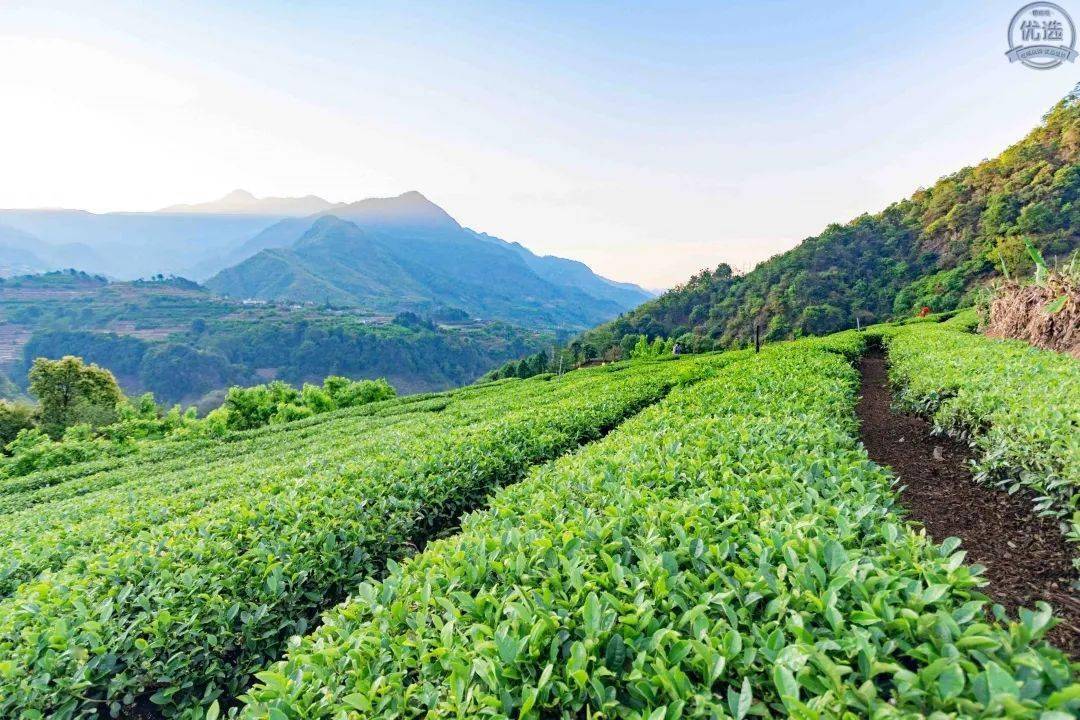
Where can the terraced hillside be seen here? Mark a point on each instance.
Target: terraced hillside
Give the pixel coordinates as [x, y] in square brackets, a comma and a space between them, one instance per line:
[172, 337]
[167, 580]
[729, 552]
[697, 537]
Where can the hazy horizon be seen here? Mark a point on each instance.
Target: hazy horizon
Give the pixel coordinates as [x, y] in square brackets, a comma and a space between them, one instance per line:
[647, 142]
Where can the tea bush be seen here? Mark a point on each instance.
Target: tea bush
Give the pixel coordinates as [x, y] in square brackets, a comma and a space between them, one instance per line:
[729, 552]
[1018, 406]
[171, 585]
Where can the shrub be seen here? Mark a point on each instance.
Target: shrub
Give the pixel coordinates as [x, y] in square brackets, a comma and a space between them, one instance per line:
[729, 553]
[252, 407]
[16, 416]
[279, 402]
[351, 393]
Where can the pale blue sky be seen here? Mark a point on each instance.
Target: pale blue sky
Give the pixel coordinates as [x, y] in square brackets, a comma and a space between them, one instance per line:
[647, 139]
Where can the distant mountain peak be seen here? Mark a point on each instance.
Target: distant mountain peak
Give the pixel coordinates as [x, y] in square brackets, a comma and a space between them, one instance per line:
[325, 223]
[242, 201]
[238, 197]
[408, 210]
[328, 226]
[406, 253]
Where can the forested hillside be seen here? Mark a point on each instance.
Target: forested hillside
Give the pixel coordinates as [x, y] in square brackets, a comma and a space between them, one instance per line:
[929, 250]
[172, 337]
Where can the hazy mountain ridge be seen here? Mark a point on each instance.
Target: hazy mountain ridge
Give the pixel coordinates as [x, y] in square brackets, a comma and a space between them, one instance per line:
[573, 272]
[22, 253]
[406, 253]
[411, 212]
[417, 257]
[17, 253]
[132, 245]
[241, 201]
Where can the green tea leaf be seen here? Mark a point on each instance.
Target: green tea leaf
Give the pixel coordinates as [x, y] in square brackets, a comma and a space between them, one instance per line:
[950, 682]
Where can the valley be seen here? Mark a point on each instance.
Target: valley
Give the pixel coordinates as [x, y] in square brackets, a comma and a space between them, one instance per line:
[177, 340]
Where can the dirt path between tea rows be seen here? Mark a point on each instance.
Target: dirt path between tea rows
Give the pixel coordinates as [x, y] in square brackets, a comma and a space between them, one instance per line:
[1026, 557]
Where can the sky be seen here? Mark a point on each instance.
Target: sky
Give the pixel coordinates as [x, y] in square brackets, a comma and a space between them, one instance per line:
[648, 140]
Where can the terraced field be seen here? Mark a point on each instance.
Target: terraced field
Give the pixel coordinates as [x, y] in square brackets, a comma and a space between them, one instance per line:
[167, 582]
[729, 552]
[702, 537]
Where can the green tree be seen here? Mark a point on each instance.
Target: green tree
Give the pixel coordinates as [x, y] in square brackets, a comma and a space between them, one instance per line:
[175, 371]
[688, 343]
[15, 416]
[641, 348]
[821, 319]
[540, 363]
[1036, 218]
[72, 392]
[254, 406]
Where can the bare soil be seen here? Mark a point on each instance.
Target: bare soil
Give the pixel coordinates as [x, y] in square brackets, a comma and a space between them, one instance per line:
[1026, 557]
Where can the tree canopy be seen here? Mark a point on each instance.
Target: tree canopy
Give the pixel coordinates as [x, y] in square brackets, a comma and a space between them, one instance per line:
[72, 392]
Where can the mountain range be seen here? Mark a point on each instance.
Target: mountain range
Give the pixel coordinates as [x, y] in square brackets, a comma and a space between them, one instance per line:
[243, 202]
[124, 245]
[406, 253]
[386, 254]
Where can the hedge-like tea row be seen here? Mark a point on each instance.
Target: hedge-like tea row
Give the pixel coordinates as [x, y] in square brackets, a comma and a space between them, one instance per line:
[85, 510]
[180, 450]
[81, 481]
[48, 535]
[1018, 406]
[67, 520]
[729, 552]
[186, 608]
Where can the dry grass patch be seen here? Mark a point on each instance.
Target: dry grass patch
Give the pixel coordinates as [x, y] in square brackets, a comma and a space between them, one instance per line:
[1046, 315]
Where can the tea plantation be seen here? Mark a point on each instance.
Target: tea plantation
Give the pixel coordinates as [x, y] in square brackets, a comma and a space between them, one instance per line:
[701, 537]
[1018, 405]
